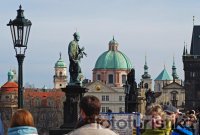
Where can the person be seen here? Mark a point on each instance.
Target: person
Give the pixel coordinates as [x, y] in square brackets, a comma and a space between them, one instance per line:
[75, 54]
[154, 124]
[89, 121]
[22, 123]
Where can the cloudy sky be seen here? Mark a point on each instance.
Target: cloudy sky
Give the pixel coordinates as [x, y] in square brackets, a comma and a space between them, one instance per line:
[157, 28]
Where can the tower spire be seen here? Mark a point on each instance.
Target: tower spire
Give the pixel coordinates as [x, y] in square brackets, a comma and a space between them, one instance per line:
[60, 55]
[184, 49]
[146, 75]
[174, 74]
[193, 20]
[186, 52]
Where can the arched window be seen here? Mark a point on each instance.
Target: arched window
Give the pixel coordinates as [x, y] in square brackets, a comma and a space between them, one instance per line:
[60, 74]
[146, 85]
[98, 77]
[110, 78]
[123, 79]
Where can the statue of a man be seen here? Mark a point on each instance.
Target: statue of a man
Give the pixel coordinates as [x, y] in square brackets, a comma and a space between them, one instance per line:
[75, 54]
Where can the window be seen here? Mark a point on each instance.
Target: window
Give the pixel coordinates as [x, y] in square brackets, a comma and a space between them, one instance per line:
[146, 85]
[110, 78]
[60, 73]
[104, 109]
[98, 77]
[105, 98]
[123, 79]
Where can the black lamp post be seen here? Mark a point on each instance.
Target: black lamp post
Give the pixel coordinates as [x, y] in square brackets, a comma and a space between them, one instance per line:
[20, 29]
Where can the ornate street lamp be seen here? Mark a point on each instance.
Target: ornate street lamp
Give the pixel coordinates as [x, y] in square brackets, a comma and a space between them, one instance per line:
[20, 29]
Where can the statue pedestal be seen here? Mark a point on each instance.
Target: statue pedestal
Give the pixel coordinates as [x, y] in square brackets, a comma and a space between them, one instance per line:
[73, 95]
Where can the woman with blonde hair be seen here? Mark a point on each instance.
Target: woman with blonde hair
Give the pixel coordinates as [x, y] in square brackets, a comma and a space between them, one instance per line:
[155, 123]
[22, 123]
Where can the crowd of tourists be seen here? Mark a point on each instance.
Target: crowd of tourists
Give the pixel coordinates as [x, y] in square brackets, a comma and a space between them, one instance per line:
[158, 120]
[168, 120]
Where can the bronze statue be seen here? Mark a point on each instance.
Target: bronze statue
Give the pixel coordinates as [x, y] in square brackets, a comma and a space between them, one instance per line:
[75, 54]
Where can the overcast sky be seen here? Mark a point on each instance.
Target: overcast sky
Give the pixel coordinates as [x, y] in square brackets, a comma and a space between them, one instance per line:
[157, 28]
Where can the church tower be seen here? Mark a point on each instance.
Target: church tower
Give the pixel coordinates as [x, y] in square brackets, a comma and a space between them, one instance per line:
[60, 77]
[146, 78]
[191, 66]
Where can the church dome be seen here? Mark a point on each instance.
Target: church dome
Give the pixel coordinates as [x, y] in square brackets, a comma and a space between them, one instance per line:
[60, 63]
[113, 59]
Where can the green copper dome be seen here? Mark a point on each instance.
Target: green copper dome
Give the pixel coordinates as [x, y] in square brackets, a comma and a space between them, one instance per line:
[113, 59]
[60, 63]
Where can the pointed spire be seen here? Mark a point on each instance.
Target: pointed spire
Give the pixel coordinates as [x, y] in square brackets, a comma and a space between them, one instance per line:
[113, 38]
[145, 59]
[184, 49]
[186, 52]
[146, 75]
[174, 74]
[60, 56]
[193, 20]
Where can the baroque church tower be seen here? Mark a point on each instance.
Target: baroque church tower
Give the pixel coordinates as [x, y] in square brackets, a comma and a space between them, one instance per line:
[60, 77]
[191, 66]
[146, 77]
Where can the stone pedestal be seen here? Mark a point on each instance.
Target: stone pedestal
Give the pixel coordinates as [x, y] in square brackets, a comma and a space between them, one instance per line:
[71, 109]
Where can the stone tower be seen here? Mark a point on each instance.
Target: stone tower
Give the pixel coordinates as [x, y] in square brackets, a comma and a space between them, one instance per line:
[191, 66]
[60, 77]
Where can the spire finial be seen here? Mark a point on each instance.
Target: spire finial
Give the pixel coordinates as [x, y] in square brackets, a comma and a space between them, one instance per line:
[193, 20]
[20, 6]
[113, 37]
[145, 58]
[186, 49]
[60, 55]
[173, 60]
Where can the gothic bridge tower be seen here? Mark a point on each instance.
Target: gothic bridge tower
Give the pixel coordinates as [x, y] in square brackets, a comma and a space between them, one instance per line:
[191, 66]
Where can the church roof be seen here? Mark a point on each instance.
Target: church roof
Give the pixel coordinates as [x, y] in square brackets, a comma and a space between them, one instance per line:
[195, 44]
[10, 87]
[60, 63]
[164, 76]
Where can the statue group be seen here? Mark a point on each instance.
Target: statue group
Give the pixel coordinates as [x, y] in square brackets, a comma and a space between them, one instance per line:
[75, 55]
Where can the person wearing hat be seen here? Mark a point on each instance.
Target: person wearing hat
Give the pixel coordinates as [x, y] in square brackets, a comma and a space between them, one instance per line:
[172, 112]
